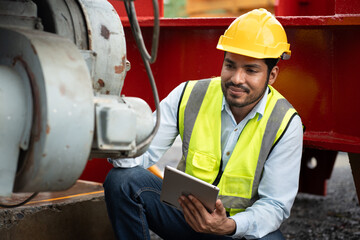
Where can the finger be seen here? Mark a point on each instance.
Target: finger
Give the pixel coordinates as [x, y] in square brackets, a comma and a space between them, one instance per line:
[219, 208]
[202, 217]
[199, 212]
[219, 204]
[190, 205]
[189, 218]
[203, 212]
[188, 208]
[191, 221]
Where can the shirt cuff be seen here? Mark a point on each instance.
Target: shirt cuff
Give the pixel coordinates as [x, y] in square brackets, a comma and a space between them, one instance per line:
[242, 224]
[125, 162]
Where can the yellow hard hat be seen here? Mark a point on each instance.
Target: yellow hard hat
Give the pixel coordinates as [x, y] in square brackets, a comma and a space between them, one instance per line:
[256, 34]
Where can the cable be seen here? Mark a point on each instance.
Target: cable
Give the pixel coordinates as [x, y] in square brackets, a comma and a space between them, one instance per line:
[20, 204]
[134, 24]
[146, 58]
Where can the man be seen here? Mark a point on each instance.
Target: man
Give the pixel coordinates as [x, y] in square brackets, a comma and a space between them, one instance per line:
[238, 133]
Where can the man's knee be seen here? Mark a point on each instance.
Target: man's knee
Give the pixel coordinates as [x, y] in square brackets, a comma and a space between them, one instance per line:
[118, 178]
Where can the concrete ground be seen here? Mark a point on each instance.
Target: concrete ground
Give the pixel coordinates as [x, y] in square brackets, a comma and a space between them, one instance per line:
[77, 213]
[335, 216]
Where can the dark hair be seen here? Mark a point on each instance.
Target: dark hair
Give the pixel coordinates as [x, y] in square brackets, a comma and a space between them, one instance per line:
[271, 63]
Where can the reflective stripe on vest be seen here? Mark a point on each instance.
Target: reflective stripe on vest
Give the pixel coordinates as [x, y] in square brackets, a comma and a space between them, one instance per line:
[200, 130]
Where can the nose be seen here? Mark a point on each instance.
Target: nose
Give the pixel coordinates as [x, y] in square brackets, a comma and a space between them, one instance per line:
[238, 76]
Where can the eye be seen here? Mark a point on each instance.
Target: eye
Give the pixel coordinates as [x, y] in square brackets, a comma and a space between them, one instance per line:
[251, 70]
[229, 65]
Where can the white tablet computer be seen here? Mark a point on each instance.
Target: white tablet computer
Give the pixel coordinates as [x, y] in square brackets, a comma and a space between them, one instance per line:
[177, 183]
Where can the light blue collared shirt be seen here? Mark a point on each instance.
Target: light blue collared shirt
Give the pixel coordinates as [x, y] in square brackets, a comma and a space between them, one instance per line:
[279, 183]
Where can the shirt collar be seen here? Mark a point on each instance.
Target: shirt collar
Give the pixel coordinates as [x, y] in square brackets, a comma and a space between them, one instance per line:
[259, 107]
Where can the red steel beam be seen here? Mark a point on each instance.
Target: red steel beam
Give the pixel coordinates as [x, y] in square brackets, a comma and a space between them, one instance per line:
[320, 79]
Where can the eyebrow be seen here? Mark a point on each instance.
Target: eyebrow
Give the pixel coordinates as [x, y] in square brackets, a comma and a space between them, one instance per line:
[253, 65]
[229, 61]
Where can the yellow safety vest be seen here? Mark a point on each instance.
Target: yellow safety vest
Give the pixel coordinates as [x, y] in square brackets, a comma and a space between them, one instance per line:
[199, 123]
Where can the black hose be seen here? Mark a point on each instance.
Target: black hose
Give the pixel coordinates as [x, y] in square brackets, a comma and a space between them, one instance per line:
[19, 204]
[146, 58]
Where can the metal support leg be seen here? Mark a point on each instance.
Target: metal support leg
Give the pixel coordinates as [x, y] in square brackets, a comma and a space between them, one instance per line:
[355, 168]
[316, 168]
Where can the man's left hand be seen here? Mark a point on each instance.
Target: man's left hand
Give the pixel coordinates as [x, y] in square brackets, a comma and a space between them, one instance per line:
[202, 221]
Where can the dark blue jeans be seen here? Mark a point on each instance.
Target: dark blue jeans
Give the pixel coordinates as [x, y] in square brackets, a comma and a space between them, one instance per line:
[132, 198]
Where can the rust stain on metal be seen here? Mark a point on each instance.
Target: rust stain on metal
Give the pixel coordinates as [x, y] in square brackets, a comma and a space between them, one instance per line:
[90, 38]
[105, 32]
[120, 68]
[101, 82]
[107, 92]
[33, 48]
[44, 155]
[47, 129]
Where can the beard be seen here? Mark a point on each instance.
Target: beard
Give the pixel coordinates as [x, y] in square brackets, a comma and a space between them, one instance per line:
[250, 99]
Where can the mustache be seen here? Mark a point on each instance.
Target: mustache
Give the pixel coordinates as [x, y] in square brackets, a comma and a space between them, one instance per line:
[231, 84]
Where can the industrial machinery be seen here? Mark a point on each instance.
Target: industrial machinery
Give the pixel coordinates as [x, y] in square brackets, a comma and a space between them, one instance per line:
[62, 67]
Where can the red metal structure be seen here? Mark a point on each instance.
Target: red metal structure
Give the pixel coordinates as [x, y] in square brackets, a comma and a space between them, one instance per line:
[320, 79]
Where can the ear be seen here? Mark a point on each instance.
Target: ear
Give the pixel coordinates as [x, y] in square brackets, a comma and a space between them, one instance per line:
[273, 75]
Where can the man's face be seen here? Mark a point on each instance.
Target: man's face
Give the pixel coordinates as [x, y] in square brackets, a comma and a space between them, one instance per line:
[243, 80]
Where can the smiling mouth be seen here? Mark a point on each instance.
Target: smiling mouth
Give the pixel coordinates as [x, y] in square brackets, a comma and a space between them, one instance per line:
[236, 88]
[237, 91]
